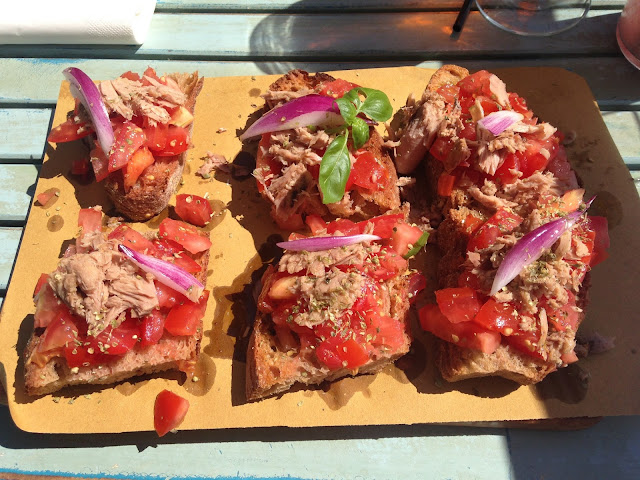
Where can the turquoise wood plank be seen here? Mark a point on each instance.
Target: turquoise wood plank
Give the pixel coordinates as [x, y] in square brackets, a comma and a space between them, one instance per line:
[17, 184]
[9, 240]
[28, 80]
[22, 133]
[365, 36]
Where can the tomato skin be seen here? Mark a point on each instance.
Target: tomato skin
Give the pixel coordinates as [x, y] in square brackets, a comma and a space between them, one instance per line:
[119, 340]
[368, 172]
[565, 316]
[387, 264]
[44, 277]
[177, 142]
[184, 318]
[48, 307]
[449, 92]
[445, 184]
[403, 237]
[440, 148]
[185, 234]
[352, 354]
[463, 334]
[383, 225]
[345, 226]
[169, 411]
[132, 239]
[193, 209]
[69, 131]
[477, 83]
[129, 138]
[458, 304]
[316, 224]
[327, 352]
[337, 88]
[139, 161]
[417, 283]
[99, 163]
[502, 222]
[497, 316]
[152, 328]
[90, 220]
[60, 333]
[156, 136]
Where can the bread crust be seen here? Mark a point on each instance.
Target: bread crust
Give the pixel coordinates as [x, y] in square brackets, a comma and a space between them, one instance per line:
[170, 353]
[270, 370]
[152, 192]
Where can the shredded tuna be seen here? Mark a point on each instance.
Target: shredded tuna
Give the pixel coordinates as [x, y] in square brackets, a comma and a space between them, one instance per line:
[499, 90]
[314, 263]
[490, 201]
[275, 98]
[214, 161]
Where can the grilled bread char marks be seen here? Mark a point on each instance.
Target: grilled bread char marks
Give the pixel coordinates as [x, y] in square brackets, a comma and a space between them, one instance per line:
[478, 194]
[293, 190]
[327, 314]
[169, 353]
[151, 193]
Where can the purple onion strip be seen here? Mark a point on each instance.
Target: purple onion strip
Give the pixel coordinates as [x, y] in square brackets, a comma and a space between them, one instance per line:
[530, 247]
[316, 110]
[498, 122]
[166, 273]
[83, 88]
[316, 244]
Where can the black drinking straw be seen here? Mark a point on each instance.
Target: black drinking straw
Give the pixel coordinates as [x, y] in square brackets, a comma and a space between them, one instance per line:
[462, 16]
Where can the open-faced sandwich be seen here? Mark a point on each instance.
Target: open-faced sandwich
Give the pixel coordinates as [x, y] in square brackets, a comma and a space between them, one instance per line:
[336, 304]
[118, 305]
[320, 154]
[139, 129]
[517, 244]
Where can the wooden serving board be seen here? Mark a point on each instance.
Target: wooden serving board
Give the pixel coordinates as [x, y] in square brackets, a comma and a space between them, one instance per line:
[243, 236]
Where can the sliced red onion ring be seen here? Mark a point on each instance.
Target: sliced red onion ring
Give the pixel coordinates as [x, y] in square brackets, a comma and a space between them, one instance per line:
[83, 88]
[498, 122]
[167, 273]
[315, 244]
[316, 110]
[530, 247]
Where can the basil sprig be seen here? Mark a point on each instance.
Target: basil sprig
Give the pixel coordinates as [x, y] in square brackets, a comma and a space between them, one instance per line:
[336, 162]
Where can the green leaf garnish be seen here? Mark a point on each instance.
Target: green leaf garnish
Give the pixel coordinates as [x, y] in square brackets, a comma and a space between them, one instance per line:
[335, 169]
[422, 241]
[336, 162]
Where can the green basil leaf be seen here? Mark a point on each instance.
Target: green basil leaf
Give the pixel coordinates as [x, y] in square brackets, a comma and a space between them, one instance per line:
[334, 170]
[376, 106]
[354, 97]
[360, 131]
[347, 110]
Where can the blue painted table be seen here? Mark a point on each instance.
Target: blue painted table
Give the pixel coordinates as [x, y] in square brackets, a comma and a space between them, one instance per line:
[223, 38]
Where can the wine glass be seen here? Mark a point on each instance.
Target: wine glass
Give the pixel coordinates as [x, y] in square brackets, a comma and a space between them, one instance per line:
[534, 17]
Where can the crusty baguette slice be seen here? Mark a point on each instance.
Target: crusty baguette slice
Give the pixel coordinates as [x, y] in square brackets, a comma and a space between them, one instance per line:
[271, 369]
[170, 353]
[151, 193]
[360, 203]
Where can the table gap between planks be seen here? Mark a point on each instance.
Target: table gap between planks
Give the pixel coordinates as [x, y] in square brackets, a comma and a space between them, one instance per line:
[224, 38]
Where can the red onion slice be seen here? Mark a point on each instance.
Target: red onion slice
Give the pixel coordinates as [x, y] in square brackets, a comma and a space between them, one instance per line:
[166, 273]
[316, 244]
[316, 110]
[83, 88]
[530, 247]
[498, 122]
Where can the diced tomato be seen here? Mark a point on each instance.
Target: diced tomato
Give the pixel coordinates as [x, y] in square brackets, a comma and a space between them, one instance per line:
[336, 88]
[565, 316]
[387, 264]
[60, 333]
[477, 83]
[80, 167]
[327, 352]
[186, 235]
[46, 196]
[498, 316]
[177, 141]
[445, 184]
[193, 209]
[404, 237]
[132, 239]
[471, 224]
[532, 159]
[507, 173]
[352, 354]
[441, 147]
[463, 334]
[502, 222]
[526, 342]
[156, 136]
[173, 252]
[386, 331]
[139, 161]
[128, 138]
[48, 307]
[469, 279]
[383, 225]
[152, 328]
[69, 131]
[90, 220]
[184, 319]
[316, 224]
[519, 104]
[44, 277]
[99, 162]
[570, 357]
[285, 338]
[167, 296]
[150, 72]
[458, 304]
[266, 163]
[169, 411]
[345, 226]
[86, 354]
[181, 117]
[601, 242]
[488, 105]
[119, 340]
[131, 76]
[417, 283]
[449, 92]
[368, 172]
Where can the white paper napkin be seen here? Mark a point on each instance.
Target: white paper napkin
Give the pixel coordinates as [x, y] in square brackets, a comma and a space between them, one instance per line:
[120, 22]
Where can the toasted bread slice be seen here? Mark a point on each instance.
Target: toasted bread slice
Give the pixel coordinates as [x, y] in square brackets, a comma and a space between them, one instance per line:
[169, 353]
[427, 120]
[331, 301]
[293, 191]
[151, 193]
